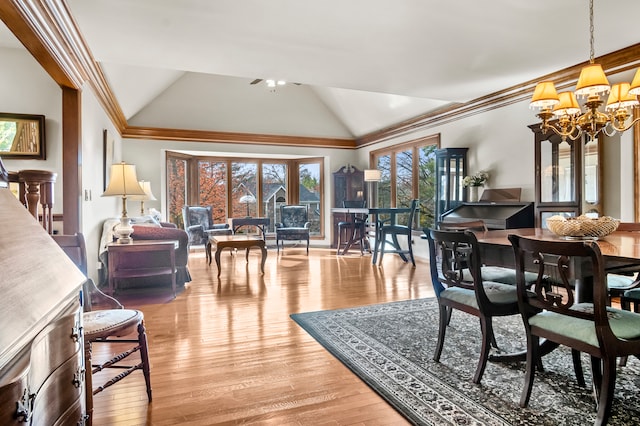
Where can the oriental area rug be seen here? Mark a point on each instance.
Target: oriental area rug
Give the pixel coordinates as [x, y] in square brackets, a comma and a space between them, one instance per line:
[390, 347]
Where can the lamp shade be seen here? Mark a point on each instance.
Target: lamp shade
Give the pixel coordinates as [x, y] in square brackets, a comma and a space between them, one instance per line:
[619, 97]
[148, 195]
[592, 81]
[123, 181]
[372, 175]
[567, 105]
[247, 199]
[635, 84]
[544, 95]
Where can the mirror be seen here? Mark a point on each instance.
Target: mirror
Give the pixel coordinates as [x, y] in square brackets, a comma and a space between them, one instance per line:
[22, 136]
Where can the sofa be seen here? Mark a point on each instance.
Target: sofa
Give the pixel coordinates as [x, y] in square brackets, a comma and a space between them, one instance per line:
[147, 228]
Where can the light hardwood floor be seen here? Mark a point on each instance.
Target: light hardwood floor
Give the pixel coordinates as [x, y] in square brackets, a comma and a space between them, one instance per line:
[226, 352]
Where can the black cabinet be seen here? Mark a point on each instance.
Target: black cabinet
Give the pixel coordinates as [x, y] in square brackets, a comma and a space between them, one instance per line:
[451, 168]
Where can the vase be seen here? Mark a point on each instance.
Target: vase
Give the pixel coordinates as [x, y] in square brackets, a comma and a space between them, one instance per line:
[473, 194]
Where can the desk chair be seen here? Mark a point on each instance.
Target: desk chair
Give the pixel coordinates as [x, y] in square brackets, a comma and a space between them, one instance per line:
[106, 326]
[355, 228]
[394, 230]
[551, 311]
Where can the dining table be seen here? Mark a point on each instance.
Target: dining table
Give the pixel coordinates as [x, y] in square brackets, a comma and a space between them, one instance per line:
[620, 250]
[377, 217]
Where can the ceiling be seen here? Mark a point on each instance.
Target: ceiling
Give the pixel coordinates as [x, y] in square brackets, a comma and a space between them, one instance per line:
[372, 63]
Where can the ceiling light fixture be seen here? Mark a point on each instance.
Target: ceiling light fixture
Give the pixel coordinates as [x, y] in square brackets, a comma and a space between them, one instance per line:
[593, 83]
[271, 84]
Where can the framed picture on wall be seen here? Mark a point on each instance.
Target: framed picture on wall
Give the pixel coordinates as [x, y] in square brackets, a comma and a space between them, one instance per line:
[22, 136]
[107, 155]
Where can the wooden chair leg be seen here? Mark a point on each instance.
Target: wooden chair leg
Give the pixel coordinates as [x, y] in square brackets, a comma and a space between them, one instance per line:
[144, 357]
[487, 335]
[577, 367]
[88, 381]
[442, 329]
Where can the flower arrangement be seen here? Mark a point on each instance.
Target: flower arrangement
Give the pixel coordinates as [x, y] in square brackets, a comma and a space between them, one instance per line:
[478, 179]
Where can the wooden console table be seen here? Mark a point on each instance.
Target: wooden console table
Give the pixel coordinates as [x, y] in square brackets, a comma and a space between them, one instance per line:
[138, 260]
[237, 242]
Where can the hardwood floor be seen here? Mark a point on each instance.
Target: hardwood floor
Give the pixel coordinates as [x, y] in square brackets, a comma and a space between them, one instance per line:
[226, 352]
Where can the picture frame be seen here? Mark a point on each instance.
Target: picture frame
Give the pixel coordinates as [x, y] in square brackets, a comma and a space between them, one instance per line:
[107, 156]
[22, 136]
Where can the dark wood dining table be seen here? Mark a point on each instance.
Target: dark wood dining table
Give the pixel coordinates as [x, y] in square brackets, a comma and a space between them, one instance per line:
[377, 215]
[621, 251]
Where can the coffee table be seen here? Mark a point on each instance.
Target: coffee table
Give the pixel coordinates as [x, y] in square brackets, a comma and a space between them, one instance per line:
[238, 242]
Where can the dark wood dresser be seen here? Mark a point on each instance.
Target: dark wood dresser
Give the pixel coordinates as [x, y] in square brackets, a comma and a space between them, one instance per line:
[41, 344]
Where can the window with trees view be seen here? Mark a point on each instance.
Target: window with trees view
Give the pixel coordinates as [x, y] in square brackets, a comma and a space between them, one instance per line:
[240, 187]
[408, 172]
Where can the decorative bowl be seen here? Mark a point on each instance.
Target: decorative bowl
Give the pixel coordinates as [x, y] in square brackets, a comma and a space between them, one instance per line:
[582, 227]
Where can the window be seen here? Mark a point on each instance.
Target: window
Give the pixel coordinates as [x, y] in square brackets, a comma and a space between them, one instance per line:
[408, 172]
[239, 187]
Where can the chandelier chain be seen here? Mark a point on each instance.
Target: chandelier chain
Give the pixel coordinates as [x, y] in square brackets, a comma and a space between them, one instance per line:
[591, 31]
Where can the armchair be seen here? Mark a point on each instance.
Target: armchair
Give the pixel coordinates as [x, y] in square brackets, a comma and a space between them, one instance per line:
[294, 226]
[198, 222]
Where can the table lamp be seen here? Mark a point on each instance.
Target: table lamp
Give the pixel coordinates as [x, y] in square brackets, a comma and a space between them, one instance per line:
[148, 195]
[248, 199]
[123, 182]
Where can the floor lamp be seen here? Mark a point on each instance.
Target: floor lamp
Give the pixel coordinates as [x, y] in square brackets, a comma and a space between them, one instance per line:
[372, 176]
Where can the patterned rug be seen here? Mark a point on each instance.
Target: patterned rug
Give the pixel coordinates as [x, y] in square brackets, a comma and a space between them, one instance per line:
[390, 347]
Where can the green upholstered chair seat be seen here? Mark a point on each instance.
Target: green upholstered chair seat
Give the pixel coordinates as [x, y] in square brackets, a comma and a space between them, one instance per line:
[499, 274]
[496, 292]
[632, 294]
[624, 324]
[619, 281]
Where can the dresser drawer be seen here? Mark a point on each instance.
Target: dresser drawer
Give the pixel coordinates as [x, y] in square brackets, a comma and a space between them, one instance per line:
[55, 344]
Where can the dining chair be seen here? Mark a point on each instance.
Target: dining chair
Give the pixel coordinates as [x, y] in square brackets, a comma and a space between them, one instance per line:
[110, 325]
[550, 310]
[621, 282]
[394, 230]
[455, 264]
[500, 274]
[354, 228]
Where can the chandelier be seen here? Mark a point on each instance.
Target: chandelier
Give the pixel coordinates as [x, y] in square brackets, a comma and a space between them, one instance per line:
[571, 122]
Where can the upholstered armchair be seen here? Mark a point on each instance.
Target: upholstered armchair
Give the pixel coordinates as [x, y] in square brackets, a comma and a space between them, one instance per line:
[198, 222]
[294, 226]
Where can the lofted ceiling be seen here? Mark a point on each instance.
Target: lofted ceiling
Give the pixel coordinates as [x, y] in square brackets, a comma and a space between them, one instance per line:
[365, 64]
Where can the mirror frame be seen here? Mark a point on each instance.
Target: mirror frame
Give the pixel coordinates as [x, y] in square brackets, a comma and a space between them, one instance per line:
[39, 121]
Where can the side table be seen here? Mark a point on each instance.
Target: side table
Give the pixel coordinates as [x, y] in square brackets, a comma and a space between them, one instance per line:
[141, 258]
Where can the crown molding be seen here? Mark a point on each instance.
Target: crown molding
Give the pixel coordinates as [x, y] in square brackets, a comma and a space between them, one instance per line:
[156, 133]
[48, 30]
[612, 63]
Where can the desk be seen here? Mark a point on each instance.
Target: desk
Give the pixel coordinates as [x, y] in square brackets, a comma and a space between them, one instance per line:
[259, 222]
[133, 261]
[237, 242]
[375, 214]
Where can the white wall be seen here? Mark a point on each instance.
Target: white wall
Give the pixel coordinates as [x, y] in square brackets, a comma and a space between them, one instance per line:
[94, 208]
[28, 89]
